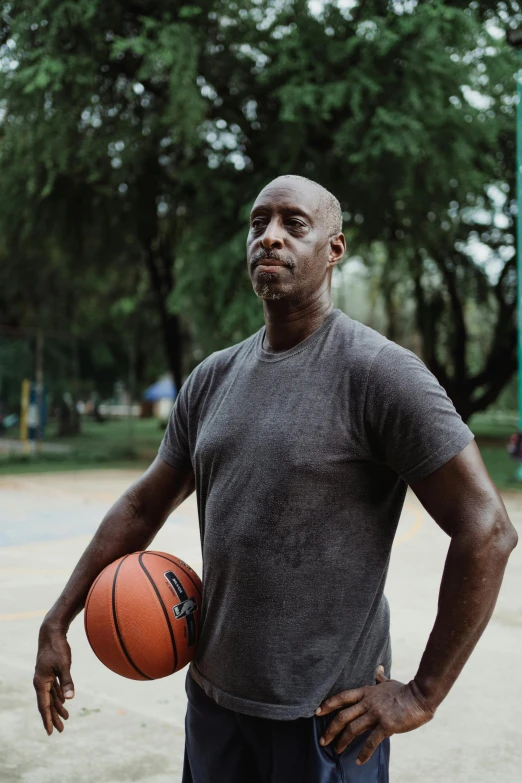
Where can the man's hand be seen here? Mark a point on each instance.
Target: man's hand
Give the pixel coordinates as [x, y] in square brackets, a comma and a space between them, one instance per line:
[389, 707]
[52, 678]
[129, 526]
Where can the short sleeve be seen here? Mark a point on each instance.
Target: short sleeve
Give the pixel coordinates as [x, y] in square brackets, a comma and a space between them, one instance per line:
[411, 422]
[174, 448]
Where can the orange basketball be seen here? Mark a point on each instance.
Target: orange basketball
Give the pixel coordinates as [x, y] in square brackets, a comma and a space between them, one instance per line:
[142, 615]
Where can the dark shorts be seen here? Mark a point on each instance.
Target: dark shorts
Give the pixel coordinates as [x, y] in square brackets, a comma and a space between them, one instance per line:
[223, 746]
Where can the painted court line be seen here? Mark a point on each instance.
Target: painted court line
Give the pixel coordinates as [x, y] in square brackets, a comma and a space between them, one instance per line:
[19, 570]
[415, 528]
[22, 615]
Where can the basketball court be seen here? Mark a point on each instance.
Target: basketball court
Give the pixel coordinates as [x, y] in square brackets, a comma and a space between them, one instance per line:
[121, 730]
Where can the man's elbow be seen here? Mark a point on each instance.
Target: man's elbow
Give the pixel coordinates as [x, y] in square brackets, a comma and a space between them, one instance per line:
[502, 535]
[511, 537]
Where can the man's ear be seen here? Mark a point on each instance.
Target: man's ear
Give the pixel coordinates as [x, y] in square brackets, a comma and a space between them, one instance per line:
[337, 248]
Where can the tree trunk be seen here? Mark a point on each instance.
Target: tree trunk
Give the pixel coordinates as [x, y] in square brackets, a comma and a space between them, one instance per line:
[499, 364]
[158, 248]
[68, 417]
[170, 325]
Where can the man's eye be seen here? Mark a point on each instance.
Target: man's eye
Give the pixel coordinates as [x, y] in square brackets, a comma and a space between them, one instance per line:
[295, 223]
[257, 223]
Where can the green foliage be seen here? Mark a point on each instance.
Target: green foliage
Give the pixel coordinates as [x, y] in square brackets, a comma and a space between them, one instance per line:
[134, 139]
[101, 111]
[16, 363]
[408, 118]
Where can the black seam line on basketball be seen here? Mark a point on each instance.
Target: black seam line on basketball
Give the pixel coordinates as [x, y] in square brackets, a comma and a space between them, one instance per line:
[177, 563]
[156, 554]
[190, 620]
[91, 591]
[116, 622]
[160, 599]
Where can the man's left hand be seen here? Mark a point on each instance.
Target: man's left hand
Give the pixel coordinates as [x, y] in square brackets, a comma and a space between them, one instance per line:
[389, 707]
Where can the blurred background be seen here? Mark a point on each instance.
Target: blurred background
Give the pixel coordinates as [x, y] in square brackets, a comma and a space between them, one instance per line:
[134, 138]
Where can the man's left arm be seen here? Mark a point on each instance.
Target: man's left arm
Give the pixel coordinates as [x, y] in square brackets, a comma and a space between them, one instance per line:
[463, 500]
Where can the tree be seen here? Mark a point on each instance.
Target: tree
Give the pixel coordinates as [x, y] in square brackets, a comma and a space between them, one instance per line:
[407, 115]
[101, 133]
[137, 136]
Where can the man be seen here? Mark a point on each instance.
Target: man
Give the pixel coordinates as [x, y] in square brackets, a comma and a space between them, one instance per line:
[300, 442]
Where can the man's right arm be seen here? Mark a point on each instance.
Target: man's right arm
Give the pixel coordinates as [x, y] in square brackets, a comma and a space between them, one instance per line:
[129, 526]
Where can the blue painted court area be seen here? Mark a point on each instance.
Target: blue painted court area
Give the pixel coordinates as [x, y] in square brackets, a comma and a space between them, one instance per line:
[46, 521]
[32, 520]
[123, 730]
[48, 508]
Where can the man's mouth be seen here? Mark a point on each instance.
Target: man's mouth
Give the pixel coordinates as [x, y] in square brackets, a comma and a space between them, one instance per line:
[269, 263]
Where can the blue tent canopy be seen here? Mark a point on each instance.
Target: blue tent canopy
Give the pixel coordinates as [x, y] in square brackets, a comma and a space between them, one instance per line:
[163, 389]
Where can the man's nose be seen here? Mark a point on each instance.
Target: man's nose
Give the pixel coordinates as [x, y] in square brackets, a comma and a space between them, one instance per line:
[272, 237]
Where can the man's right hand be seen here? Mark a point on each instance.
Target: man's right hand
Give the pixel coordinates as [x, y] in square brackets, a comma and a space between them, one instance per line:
[129, 526]
[52, 677]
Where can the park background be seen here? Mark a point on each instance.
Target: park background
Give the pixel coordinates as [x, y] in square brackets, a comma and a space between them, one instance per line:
[134, 138]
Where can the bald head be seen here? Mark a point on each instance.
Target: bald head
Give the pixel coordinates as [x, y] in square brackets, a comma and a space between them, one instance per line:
[327, 203]
[297, 224]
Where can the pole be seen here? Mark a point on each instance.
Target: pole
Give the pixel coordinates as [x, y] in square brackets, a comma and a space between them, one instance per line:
[519, 254]
[24, 408]
[514, 37]
[75, 422]
[39, 385]
[132, 385]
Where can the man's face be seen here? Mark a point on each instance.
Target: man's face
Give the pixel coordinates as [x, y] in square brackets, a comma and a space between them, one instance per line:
[289, 252]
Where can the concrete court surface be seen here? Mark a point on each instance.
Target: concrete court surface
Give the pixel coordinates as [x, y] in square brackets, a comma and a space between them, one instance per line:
[121, 731]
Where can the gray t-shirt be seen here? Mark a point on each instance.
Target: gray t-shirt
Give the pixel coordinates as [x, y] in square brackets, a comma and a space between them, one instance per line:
[301, 461]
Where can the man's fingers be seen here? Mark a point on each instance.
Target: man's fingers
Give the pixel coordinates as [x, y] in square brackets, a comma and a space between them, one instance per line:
[66, 682]
[343, 699]
[380, 675]
[43, 698]
[57, 723]
[362, 724]
[58, 689]
[371, 744]
[343, 719]
[340, 722]
[58, 702]
[344, 739]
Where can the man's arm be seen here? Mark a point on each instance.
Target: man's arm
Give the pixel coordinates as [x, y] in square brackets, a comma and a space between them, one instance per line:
[129, 526]
[462, 499]
[464, 502]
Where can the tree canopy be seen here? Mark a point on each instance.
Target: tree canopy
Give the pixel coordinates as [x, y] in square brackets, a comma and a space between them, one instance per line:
[135, 136]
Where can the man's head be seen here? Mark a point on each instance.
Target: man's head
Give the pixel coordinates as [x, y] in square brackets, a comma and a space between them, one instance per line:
[296, 224]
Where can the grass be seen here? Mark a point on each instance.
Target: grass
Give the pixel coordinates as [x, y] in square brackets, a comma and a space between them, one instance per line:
[492, 430]
[116, 439]
[117, 444]
[494, 425]
[113, 444]
[501, 467]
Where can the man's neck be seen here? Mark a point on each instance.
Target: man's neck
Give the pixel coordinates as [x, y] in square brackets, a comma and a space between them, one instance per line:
[285, 329]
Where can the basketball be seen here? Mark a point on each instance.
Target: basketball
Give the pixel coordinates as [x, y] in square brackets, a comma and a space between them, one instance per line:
[142, 615]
